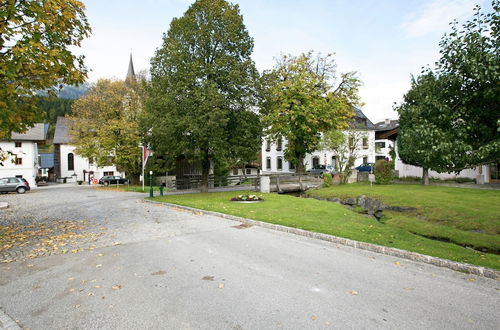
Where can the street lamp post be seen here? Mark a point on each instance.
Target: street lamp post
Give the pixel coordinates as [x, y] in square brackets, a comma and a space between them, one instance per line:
[150, 183]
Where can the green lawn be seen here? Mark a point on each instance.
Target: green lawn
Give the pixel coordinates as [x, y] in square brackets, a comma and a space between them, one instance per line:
[465, 216]
[331, 218]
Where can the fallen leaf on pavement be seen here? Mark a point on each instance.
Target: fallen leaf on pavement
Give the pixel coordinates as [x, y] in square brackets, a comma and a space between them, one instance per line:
[471, 279]
[221, 285]
[397, 263]
[91, 293]
[354, 292]
[116, 287]
[97, 266]
[71, 279]
[313, 317]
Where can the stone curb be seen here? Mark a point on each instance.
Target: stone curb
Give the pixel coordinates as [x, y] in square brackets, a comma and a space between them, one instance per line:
[6, 323]
[4, 205]
[414, 256]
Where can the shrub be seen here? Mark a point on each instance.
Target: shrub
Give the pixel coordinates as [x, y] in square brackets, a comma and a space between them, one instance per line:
[383, 172]
[327, 180]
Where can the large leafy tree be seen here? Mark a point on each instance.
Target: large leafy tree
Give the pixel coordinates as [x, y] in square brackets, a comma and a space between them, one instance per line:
[302, 98]
[448, 119]
[106, 125]
[428, 137]
[35, 41]
[203, 93]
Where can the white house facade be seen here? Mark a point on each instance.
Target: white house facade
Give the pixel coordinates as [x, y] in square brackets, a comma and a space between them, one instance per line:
[23, 161]
[273, 152]
[70, 166]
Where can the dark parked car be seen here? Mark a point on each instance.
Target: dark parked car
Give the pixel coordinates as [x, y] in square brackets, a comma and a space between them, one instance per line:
[368, 167]
[112, 179]
[18, 185]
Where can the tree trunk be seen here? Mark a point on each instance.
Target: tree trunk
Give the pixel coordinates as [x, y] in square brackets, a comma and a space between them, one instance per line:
[425, 177]
[205, 170]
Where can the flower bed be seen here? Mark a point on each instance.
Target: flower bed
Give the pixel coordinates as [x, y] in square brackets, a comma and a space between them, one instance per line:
[246, 198]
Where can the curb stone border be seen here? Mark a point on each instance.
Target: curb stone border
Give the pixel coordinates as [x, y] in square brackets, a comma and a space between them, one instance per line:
[414, 256]
[6, 323]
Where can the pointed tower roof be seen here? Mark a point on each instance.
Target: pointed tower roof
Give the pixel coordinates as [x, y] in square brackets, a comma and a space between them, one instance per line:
[130, 72]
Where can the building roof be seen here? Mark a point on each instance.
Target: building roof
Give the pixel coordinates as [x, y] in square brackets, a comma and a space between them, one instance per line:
[387, 124]
[361, 121]
[36, 133]
[62, 133]
[46, 159]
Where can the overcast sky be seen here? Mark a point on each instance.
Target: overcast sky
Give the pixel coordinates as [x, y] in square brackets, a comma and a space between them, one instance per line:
[385, 41]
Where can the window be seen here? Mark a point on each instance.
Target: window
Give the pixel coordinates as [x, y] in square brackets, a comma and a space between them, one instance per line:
[19, 161]
[279, 144]
[334, 161]
[110, 173]
[365, 160]
[291, 166]
[18, 144]
[248, 171]
[268, 145]
[365, 143]
[268, 163]
[71, 162]
[315, 162]
[235, 171]
[351, 142]
[379, 145]
[279, 163]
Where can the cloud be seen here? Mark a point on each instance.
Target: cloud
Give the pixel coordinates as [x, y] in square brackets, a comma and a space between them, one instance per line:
[436, 15]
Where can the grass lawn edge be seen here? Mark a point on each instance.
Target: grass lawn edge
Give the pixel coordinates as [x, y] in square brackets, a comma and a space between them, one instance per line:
[414, 256]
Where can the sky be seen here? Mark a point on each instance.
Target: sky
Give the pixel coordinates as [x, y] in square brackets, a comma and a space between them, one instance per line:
[385, 41]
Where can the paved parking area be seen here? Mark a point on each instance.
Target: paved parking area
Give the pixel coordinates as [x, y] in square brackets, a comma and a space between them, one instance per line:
[128, 264]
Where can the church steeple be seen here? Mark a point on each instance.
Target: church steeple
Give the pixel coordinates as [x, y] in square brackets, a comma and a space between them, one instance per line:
[130, 72]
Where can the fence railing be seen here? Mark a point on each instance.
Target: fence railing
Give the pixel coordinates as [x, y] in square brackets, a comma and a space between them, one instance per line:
[277, 181]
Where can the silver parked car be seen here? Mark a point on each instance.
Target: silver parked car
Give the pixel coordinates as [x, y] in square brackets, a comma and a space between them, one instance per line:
[18, 185]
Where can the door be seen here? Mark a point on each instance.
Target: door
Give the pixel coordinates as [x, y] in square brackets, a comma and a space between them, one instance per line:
[3, 184]
[495, 172]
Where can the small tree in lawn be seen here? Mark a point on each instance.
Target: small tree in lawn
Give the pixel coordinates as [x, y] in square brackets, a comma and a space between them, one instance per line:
[302, 98]
[203, 89]
[346, 146]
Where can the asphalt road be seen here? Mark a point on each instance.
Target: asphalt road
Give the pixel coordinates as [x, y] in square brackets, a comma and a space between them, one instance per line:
[155, 267]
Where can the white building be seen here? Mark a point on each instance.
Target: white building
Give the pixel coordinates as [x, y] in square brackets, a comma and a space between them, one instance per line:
[70, 166]
[273, 158]
[24, 159]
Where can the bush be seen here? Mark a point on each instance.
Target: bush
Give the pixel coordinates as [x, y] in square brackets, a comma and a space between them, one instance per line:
[383, 172]
[327, 180]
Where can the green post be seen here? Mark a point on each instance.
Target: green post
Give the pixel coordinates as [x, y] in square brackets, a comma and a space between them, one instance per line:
[161, 189]
[150, 183]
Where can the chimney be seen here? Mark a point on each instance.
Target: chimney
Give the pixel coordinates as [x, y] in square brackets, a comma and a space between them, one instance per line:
[387, 122]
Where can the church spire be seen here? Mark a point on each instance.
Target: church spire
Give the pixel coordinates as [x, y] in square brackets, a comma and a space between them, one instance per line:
[130, 73]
